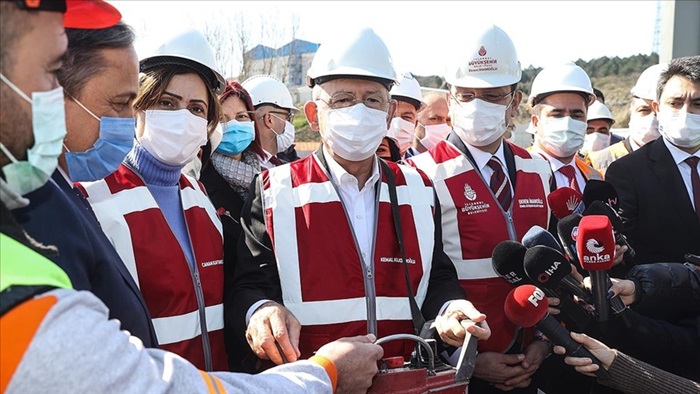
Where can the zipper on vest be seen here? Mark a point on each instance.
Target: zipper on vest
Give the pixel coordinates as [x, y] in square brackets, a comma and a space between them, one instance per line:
[208, 364]
[510, 225]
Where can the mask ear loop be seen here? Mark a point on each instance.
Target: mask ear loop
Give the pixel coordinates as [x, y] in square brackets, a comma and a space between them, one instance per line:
[83, 107]
[16, 89]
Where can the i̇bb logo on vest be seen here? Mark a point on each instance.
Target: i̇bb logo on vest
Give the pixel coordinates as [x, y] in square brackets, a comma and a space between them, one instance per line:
[473, 207]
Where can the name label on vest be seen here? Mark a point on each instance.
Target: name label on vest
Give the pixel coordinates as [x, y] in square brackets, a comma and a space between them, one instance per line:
[396, 260]
[211, 263]
[530, 203]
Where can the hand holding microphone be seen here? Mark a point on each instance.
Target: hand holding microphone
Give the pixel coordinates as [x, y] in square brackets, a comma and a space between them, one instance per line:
[596, 246]
[526, 306]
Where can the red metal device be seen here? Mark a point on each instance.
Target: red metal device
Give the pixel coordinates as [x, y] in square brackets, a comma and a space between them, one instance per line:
[420, 376]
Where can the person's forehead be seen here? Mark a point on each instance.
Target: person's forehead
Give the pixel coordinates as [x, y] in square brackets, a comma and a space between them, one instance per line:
[568, 101]
[403, 107]
[599, 123]
[190, 86]
[678, 86]
[500, 89]
[640, 102]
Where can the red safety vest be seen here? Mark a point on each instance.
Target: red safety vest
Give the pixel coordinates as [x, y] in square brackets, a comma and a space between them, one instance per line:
[176, 295]
[325, 283]
[473, 223]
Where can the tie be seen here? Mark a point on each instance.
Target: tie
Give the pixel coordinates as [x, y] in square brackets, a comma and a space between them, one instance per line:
[695, 181]
[570, 174]
[499, 183]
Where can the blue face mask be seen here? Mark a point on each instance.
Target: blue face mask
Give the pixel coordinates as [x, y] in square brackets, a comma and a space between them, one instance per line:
[236, 137]
[115, 141]
[49, 128]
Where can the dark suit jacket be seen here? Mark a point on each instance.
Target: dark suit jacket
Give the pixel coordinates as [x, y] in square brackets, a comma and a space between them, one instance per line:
[228, 204]
[659, 218]
[58, 216]
[257, 278]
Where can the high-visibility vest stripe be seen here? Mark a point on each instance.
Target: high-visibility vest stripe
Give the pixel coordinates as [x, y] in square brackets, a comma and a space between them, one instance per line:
[182, 327]
[353, 309]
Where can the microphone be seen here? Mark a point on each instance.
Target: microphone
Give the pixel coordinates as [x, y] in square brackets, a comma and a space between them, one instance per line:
[601, 208]
[564, 201]
[526, 306]
[572, 313]
[537, 235]
[596, 246]
[597, 190]
[507, 261]
[567, 229]
[548, 268]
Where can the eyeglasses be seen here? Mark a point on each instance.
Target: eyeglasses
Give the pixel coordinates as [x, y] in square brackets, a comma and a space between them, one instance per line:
[345, 100]
[284, 115]
[490, 97]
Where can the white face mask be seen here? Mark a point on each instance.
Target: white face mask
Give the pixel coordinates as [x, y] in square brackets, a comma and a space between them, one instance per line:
[49, 129]
[644, 129]
[561, 136]
[173, 137]
[193, 168]
[354, 133]
[401, 131]
[285, 139]
[680, 128]
[595, 141]
[479, 122]
[434, 133]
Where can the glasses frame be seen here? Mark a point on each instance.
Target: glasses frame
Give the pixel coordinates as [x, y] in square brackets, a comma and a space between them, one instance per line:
[332, 105]
[457, 97]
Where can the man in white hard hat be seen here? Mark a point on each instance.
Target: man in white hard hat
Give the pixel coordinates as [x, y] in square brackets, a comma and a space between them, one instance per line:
[658, 184]
[559, 100]
[490, 191]
[274, 111]
[643, 125]
[319, 257]
[433, 123]
[409, 101]
[598, 133]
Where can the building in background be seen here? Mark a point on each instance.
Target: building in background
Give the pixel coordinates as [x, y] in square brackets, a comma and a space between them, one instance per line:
[289, 63]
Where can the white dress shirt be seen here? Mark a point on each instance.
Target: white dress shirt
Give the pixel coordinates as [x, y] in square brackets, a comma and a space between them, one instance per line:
[481, 160]
[679, 157]
[360, 204]
[556, 164]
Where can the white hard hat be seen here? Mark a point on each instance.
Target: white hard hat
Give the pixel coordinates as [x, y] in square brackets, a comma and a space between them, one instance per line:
[408, 88]
[490, 60]
[647, 82]
[566, 77]
[190, 49]
[598, 110]
[362, 54]
[266, 89]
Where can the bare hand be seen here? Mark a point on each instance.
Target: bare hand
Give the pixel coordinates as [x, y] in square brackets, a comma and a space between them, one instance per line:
[535, 353]
[585, 365]
[625, 289]
[453, 329]
[356, 361]
[553, 304]
[497, 368]
[270, 326]
[619, 254]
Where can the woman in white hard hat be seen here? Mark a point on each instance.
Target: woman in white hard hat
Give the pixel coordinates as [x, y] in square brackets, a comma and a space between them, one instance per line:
[161, 222]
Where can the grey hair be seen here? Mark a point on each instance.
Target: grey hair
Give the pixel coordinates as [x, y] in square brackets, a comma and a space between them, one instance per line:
[83, 60]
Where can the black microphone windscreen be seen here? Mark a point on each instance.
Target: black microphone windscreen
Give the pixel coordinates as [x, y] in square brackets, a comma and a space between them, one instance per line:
[597, 190]
[567, 227]
[507, 260]
[546, 266]
[601, 208]
[538, 236]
